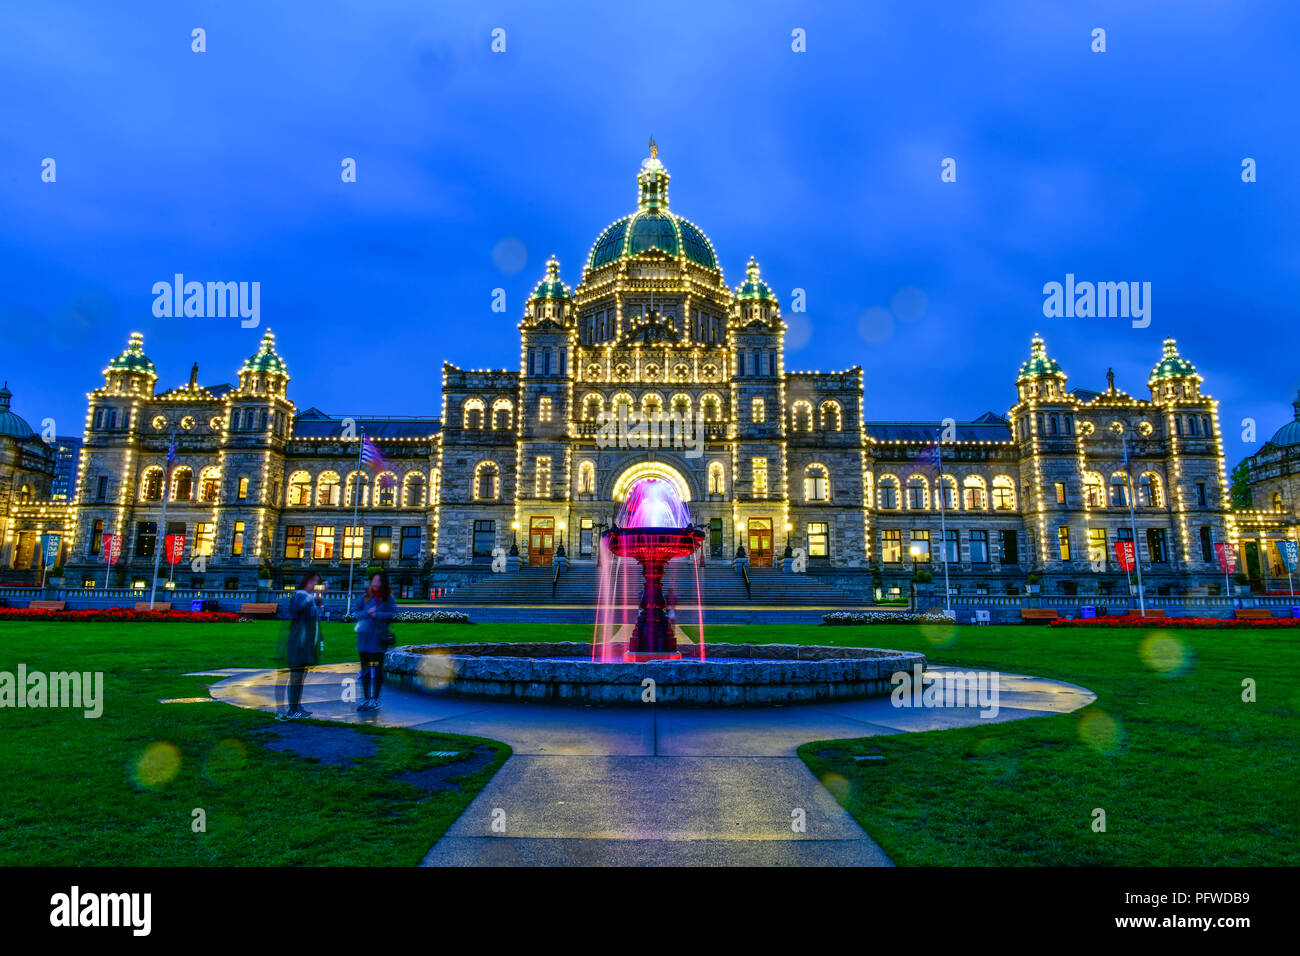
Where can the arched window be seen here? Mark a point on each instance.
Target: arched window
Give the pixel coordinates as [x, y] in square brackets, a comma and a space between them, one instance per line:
[487, 481]
[182, 484]
[413, 490]
[300, 488]
[816, 483]
[25, 494]
[717, 479]
[801, 416]
[592, 406]
[682, 405]
[385, 490]
[1004, 494]
[1149, 492]
[1093, 490]
[888, 491]
[918, 493]
[358, 483]
[832, 416]
[711, 407]
[473, 413]
[586, 478]
[209, 483]
[503, 412]
[1119, 490]
[151, 488]
[327, 489]
[946, 487]
[974, 494]
[622, 406]
[1276, 500]
[652, 404]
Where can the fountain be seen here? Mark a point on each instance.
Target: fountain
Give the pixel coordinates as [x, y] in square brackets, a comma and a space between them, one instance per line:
[653, 528]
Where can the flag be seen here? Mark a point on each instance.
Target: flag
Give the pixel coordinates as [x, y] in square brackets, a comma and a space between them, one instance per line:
[1124, 554]
[929, 455]
[1227, 555]
[1289, 552]
[370, 456]
[171, 453]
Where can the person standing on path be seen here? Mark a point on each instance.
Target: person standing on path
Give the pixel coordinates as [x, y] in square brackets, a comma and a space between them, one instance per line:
[374, 610]
[303, 646]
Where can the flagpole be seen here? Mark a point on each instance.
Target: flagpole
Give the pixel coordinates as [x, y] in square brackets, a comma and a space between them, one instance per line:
[943, 526]
[1132, 517]
[162, 521]
[356, 500]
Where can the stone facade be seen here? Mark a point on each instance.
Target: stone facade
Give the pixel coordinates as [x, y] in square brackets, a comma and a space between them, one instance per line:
[652, 366]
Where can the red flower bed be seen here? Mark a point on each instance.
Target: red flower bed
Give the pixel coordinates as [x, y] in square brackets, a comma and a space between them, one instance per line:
[119, 614]
[1172, 623]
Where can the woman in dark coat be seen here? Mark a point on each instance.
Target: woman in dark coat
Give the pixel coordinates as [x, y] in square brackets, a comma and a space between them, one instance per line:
[302, 649]
[373, 611]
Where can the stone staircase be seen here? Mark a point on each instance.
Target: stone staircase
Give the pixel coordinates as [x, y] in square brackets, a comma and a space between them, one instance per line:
[721, 587]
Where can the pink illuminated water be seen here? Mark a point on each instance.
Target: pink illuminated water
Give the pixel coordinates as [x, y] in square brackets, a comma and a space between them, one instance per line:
[653, 503]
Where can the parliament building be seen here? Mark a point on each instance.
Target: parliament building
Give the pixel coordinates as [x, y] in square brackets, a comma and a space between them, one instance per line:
[650, 366]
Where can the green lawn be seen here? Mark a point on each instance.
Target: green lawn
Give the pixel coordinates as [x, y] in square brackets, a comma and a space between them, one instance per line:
[1186, 772]
[121, 789]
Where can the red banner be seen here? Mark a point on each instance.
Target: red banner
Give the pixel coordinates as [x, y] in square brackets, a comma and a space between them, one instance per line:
[1227, 555]
[175, 548]
[1124, 555]
[112, 546]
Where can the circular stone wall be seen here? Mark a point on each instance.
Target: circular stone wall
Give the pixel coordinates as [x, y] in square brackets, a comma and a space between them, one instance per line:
[733, 674]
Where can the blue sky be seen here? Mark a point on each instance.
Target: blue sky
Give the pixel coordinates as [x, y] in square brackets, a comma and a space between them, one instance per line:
[474, 166]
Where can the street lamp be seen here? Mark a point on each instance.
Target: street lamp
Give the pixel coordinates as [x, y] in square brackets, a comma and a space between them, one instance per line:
[788, 553]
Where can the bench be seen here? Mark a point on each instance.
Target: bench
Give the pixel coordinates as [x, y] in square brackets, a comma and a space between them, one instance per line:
[48, 606]
[254, 609]
[1151, 612]
[1253, 614]
[1039, 614]
[156, 606]
[981, 617]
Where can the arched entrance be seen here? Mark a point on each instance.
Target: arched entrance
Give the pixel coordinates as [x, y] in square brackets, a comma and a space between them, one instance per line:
[651, 469]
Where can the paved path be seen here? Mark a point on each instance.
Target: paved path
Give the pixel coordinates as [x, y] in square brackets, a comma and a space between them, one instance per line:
[652, 785]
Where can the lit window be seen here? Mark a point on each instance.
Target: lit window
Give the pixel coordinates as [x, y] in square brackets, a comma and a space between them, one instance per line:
[717, 479]
[295, 536]
[237, 539]
[818, 539]
[919, 549]
[758, 411]
[816, 484]
[1063, 541]
[352, 539]
[891, 546]
[204, 534]
[322, 545]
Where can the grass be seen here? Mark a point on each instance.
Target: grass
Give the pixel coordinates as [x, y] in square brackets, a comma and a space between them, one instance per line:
[1186, 772]
[121, 789]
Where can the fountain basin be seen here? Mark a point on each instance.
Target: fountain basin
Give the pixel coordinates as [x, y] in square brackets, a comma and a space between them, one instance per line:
[734, 674]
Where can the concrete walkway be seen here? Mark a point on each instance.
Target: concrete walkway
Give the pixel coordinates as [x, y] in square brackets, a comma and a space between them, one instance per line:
[641, 786]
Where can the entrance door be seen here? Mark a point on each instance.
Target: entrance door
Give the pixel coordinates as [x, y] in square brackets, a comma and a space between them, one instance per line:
[25, 553]
[541, 542]
[760, 542]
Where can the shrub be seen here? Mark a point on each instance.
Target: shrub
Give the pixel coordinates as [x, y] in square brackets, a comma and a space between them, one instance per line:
[424, 617]
[1176, 623]
[119, 614]
[933, 616]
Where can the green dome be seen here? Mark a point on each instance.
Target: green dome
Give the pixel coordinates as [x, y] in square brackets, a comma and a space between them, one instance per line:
[652, 226]
[1172, 365]
[551, 287]
[754, 287]
[266, 359]
[11, 425]
[1039, 364]
[133, 359]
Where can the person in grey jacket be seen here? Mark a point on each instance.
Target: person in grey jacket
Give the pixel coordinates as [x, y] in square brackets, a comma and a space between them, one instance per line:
[374, 610]
[302, 650]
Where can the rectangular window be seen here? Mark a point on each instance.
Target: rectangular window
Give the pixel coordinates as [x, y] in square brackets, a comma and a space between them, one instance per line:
[97, 535]
[979, 547]
[485, 538]
[410, 543]
[715, 537]
[322, 543]
[1202, 497]
[1157, 545]
[237, 539]
[919, 549]
[101, 488]
[1010, 547]
[146, 538]
[532, 361]
[353, 538]
[542, 477]
[915, 496]
[888, 494]
[819, 533]
[758, 411]
[1063, 539]
[546, 361]
[1097, 547]
[543, 409]
[951, 547]
[891, 546]
[242, 494]
[381, 542]
[586, 537]
[205, 533]
[1207, 544]
[295, 536]
[759, 467]
[1060, 492]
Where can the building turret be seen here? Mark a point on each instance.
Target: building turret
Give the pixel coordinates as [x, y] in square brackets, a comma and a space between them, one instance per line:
[264, 373]
[1174, 377]
[551, 299]
[132, 372]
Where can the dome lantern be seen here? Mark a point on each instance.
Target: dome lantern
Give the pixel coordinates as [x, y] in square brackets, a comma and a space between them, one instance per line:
[1174, 376]
[1041, 376]
[131, 370]
[264, 370]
